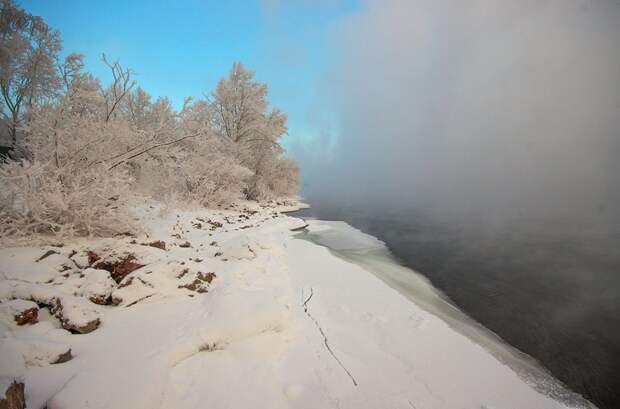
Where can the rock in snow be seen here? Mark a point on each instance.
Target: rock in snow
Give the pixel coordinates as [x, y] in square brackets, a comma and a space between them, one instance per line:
[28, 316]
[13, 397]
[37, 351]
[75, 314]
[20, 311]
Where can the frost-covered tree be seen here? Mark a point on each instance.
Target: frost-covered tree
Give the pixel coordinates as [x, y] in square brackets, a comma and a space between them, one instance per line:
[242, 117]
[28, 72]
[241, 104]
[88, 148]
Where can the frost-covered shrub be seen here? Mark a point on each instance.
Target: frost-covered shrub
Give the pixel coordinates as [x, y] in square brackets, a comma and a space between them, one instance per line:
[66, 185]
[284, 181]
[202, 171]
[217, 181]
[39, 198]
[277, 177]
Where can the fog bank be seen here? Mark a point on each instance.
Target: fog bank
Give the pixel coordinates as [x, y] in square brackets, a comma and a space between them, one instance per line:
[483, 109]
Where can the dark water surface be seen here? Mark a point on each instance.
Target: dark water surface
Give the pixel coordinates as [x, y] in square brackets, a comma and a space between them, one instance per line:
[550, 289]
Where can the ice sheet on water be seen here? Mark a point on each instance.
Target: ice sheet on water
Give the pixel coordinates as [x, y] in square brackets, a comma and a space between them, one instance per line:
[338, 235]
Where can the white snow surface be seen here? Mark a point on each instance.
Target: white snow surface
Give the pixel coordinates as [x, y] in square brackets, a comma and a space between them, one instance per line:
[283, 323]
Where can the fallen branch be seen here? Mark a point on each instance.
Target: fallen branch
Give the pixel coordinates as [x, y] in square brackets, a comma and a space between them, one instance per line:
[138, 300]
[153, 147]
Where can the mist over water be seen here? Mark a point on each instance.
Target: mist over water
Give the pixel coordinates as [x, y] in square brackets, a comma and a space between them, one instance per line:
[478, 108]
[481, 140]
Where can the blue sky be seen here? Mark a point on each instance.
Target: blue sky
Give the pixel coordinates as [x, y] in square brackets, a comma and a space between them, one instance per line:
[181, 49]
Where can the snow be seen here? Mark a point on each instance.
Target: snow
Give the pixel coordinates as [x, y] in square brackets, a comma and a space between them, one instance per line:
[239, 248]
[248, 315]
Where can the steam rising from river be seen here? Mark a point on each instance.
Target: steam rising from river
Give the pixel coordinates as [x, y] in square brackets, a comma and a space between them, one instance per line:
[479, 109]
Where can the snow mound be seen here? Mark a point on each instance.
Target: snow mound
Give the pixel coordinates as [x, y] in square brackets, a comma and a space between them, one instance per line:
[97, 285]
[39, 352]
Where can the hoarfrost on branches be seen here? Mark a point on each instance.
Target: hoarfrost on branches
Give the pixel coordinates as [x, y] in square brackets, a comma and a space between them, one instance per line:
[80, 150]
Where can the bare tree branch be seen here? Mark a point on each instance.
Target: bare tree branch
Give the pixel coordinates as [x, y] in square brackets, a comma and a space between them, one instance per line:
[121, 85]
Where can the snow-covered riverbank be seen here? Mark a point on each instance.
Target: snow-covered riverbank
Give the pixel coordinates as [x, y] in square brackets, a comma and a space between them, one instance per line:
[231, 310]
